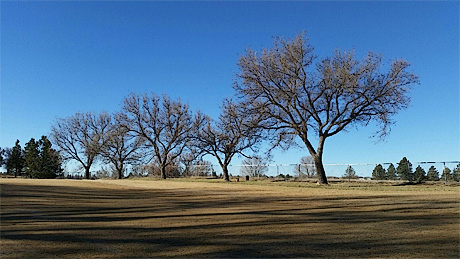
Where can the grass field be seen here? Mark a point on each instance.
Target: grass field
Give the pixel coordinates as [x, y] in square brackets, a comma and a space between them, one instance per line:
[141, 218]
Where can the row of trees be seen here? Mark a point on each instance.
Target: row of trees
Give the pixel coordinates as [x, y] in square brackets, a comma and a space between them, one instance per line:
[37, 159]
[156, 130]
[404, 172]
[284, 94]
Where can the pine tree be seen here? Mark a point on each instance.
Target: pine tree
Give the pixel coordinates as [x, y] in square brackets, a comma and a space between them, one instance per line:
[379, 173]
[2, 159]
[404, 170]
[419, 174]
[456, 173]
[350, 173]
[32, 158]
[391, 172]
[41, 161]
[15, 161]
[433, 174]
[446, 174]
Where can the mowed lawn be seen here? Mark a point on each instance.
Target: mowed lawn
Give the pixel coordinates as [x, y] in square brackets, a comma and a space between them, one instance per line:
[141, 218]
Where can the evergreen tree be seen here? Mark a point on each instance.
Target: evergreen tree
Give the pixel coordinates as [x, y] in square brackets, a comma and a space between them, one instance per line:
[31, 158]
[419, 174]
[50, 160]
[446, 174]
[15, 162]
[404, 170]
[391, 172]
[350, 173]
[379, 173]
[2, 158]
[456, 173]
[433, 174]
[41, 161]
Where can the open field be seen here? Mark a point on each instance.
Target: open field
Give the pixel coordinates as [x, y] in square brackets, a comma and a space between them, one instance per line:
[141, 218]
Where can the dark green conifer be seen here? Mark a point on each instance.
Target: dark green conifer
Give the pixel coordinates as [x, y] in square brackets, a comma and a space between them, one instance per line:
[419, 174]
[15, 162]
[50, 159]
[41, 161]
[31, 158]
[391, 172]
[404, 170]
[456, 173]
[379, 173]
[433, 174]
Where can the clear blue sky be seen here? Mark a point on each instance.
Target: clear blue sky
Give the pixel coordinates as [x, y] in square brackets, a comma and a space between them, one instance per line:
[58, 58]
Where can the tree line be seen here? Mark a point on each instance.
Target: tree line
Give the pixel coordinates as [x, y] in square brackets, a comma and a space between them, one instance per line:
[36, 160]
[155, 130]
[404, 172]
[285, 95]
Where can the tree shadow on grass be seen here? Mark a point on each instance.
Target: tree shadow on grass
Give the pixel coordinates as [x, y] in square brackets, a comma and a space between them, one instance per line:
[89, 222]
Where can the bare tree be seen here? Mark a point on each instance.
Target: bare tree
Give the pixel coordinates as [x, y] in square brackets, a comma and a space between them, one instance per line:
[164, 124]
[121, 148]
[306, 167]
[201, 168]
[81, 137]
[234, 133]
[172, 170]
[254, 166]
[317, 102]
[191, 157]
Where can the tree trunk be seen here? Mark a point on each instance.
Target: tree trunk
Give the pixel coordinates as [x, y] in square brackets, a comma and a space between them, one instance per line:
[120, 171]
[163, 172]
[225, 172]
[320, 172]
[87, 174]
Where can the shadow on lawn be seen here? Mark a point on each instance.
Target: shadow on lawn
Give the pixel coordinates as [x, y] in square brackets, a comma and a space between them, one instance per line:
[86, 222]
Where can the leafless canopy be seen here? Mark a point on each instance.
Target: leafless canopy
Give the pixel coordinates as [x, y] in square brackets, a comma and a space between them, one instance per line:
[233, 133]
[121, 147]
[254, 166]
[81, 137]
[190, 158]
[164, 124]
[306, 168]
[298, 98]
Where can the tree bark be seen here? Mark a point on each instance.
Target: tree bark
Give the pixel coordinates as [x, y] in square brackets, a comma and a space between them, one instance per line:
[119, 170]
[163, 172]
[225, 172]
[87, 174]
[120, 173]
[320, 172]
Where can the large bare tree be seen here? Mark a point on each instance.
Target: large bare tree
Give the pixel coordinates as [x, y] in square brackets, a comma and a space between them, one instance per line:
[81, 137]
[233, 133]
[318, 101]
[121, 147]
[164, 124]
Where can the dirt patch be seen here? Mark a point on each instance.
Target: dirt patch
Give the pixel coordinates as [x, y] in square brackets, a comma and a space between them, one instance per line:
[138, 218]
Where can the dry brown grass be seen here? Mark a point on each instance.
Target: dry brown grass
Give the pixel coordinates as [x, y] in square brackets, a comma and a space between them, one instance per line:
[138, 218]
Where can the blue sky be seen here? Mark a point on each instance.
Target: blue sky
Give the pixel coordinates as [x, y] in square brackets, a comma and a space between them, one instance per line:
[58, 58]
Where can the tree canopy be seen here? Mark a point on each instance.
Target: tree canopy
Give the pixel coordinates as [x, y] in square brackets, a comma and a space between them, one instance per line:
[233, 133]
[81, 137]
[164, 124]
[297, 97]
[41, 160]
